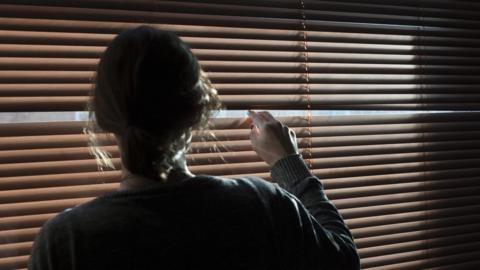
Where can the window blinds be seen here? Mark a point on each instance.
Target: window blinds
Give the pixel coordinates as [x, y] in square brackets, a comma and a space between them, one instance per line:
[407, 184]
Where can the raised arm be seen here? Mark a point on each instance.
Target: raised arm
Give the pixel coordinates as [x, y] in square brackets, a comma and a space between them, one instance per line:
[314, 235]
[323, 235]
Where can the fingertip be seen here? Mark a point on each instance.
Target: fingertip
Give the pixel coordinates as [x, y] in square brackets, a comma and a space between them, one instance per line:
[255, 130]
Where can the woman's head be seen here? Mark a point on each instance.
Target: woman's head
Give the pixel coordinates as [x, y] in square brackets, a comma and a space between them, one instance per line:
[151, 93]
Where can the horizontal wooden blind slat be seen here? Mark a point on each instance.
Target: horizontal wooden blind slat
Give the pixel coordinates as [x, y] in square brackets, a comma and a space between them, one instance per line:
[378, 210]
[13, 262]
[470, 264]
[417, 245]
[411, 216]
[19, 222]
[15, 249]
[417, 225]
[425, 258]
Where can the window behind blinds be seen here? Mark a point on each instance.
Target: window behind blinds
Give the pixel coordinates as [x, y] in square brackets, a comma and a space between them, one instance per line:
[408, 184]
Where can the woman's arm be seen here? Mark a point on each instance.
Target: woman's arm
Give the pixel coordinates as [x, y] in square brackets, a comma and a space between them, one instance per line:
[314, 235]
[44, 254]
[321, 237]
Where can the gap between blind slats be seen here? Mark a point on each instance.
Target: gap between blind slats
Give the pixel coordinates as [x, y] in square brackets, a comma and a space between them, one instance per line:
[224, 125]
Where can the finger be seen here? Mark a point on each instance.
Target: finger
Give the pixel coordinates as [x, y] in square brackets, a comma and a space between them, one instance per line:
[254, 132]
[261, 115]
[256, 119]
[267, 115]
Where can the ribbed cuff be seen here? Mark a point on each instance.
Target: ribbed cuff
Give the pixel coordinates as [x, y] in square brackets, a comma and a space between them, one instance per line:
[289, 170]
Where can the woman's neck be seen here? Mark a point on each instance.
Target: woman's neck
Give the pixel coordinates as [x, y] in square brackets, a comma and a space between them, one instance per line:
[133, 181]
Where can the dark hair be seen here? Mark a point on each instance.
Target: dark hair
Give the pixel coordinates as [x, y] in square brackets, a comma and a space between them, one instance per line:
[151, 92]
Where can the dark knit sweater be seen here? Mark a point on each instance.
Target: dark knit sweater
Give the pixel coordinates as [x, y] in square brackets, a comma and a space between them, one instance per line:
[203, 222]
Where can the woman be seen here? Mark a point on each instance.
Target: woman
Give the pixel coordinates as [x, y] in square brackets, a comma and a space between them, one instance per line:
[151, 93]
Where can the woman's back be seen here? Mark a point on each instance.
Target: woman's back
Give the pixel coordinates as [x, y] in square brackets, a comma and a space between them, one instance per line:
[203, 222]
[199, 223]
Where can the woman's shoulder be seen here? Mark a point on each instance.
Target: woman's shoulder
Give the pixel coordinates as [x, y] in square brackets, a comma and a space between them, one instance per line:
[253, 184]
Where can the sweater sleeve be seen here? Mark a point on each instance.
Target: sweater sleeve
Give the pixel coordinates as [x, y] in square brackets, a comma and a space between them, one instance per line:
[318, 237]
[50, 247]
[43, 255]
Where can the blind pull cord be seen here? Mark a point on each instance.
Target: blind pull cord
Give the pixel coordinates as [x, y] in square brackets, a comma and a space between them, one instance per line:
[306, 86]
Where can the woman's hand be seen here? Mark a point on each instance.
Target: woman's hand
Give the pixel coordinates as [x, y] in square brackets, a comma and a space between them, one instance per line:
[271, 139]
